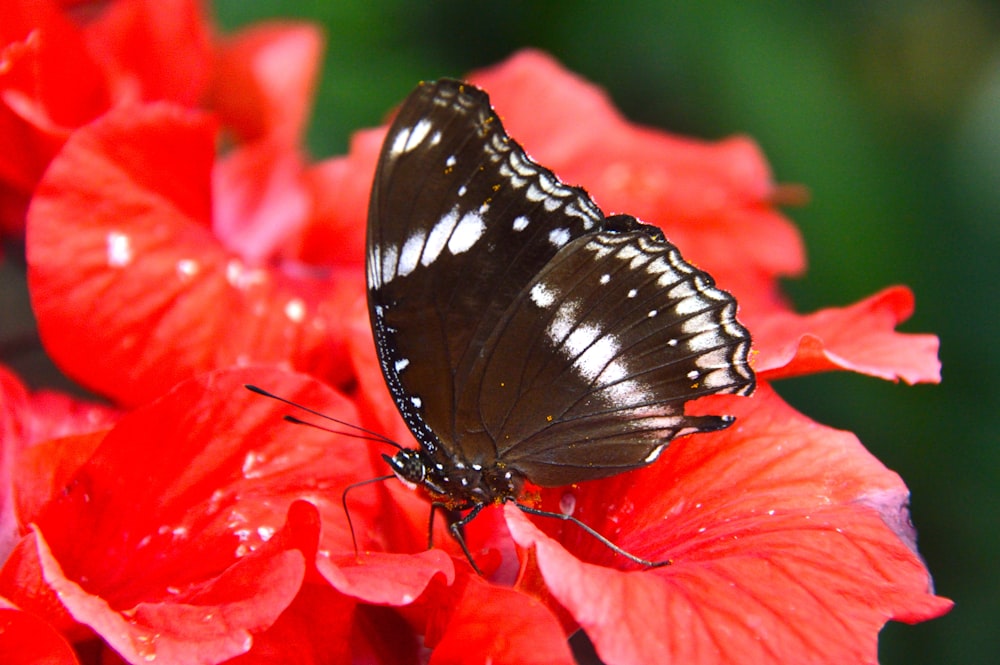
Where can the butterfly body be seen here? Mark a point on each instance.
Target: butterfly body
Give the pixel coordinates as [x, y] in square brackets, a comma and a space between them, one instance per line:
[524, 335]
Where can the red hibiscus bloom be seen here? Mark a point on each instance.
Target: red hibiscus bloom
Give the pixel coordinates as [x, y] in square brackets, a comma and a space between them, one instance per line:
[221, 237]
[152, 209]
[65, 66]
[200, 527]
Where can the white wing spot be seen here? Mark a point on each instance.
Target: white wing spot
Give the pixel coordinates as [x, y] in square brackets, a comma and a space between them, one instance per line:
[390, 259]
[632, 293]
[651, 457]
[416, 401]
[605, 278]
[469, 230]
[450, 161]
[402, 364]
[559, 237]
[438, 237]
[628, 252]
[520, 223]
[597, 357]
[562, 322]
[410, 256]
[406, 141]
[541, 295]
[580, 339]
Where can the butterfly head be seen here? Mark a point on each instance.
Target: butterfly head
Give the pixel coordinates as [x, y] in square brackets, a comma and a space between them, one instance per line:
[454, 482]
[409, 466]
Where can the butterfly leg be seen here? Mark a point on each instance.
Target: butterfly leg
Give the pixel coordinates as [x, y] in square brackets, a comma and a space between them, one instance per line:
[457, 528]
[590, 530]
[450, 514]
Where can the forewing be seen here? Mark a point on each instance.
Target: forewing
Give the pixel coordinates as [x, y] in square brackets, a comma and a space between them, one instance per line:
[460, 221]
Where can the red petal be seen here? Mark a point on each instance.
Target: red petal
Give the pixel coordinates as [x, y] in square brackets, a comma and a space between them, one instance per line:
[712, 199]
[227, 468]
[153, 49]
[387, 579]
[48, 84]
[315, 628]
[340, 189]
[211, 624]
[47, 414]
[27, 422]
[43, 471]
[500, 625]
[860, 338]
[264, 80]
[51, 80]
[26, 639]
[119, 230]
[778, 554]
[260, 200]
[178, 515]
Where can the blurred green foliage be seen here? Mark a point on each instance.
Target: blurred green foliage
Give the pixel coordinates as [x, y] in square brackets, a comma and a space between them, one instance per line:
[889, 112]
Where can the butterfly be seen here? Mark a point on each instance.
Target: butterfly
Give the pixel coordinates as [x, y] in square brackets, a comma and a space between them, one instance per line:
[523, 335]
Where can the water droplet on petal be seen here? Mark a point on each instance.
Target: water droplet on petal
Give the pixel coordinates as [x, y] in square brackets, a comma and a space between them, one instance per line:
[187, 268]
[295, 310]
[120, 251]
[567, 503]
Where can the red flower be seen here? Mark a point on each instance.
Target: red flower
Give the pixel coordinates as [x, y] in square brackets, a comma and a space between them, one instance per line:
[180, 536]
[221, 238]
[201, 527]
[130, 203]
[64, 68]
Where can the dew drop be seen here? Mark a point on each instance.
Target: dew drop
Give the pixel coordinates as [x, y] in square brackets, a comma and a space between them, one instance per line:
[187, 268]
[567, 503]
[120, 251]
[295, 310]
[250, 464]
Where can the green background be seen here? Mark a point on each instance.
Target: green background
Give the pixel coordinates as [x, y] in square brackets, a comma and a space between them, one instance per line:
[888, 111]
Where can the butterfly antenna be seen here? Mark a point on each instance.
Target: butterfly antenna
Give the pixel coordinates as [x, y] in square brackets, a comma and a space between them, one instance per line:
[347, 513]
[366, 434]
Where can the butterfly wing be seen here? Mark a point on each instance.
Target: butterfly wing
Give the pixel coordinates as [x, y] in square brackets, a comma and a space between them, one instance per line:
[588, 373]
[515, 323]
[460, 221]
